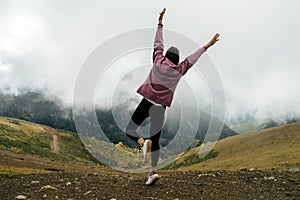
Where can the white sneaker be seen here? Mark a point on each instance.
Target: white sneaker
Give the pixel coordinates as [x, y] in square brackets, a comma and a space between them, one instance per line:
[152, 178]
[146, 149]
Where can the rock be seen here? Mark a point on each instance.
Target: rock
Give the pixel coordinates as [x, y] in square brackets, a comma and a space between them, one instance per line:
[200, 175]
[88, 192]
[35, 182]
[77, 182]
[44, 196]
[48, 187]
[21, 197]
[293, 170]
[68, 183]
[252, 169]
[269, 178]
[77, 188]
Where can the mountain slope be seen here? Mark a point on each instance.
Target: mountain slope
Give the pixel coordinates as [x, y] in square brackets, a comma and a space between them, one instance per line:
[28, 147]
[24, 137]
[276, 147]
[38, 107]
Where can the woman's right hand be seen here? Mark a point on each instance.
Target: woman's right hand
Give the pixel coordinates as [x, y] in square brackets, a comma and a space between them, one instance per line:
[161, 16]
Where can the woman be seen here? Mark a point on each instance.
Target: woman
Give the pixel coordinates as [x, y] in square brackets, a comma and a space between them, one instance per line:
[158, 91]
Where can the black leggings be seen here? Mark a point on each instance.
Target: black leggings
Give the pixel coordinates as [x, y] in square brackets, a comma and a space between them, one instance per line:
[157, 115]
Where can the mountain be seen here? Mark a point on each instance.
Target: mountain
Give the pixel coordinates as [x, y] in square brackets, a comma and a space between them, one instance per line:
[246, 126]
[250, 124]
[276, 147]
[39, 108]
[27, 147]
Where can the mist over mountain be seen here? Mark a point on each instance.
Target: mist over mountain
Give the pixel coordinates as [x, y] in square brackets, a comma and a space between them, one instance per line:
[40, 108]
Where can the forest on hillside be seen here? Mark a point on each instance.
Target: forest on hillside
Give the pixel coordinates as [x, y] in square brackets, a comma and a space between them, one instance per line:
[37, 107]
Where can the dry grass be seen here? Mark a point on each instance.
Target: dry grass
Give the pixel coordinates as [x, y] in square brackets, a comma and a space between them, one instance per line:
[276, 147]
[20, 170]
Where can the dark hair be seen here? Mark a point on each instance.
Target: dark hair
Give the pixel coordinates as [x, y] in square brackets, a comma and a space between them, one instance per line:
[173, 55]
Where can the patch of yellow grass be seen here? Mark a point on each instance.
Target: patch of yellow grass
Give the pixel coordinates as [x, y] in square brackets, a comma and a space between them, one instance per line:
[276, 147]
[20, 170]
[26, 127]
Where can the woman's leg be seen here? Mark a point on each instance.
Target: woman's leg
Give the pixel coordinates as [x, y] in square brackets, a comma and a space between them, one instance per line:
[157, 117]
[137, 118]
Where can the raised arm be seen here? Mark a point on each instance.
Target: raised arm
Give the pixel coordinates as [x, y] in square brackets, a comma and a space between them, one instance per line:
[159, 41]
[161, 16]
[185, 65]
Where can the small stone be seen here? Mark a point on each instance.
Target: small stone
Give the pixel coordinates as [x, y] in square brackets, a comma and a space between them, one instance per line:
[201, 175]
[21, 197]
[35, 182]
[252, 169]
[269, 178]
[44, 196]
[68, 183]
[76, 188]
[77, 182]
[88, 192]
[293, 170]
[113, 199]
[48, 187]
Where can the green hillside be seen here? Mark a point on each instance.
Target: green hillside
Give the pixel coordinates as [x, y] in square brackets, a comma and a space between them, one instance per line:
[35, 144]
[23, 137]
[273, 148]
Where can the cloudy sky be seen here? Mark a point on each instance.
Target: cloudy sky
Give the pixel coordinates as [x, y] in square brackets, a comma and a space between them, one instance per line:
[43, 44]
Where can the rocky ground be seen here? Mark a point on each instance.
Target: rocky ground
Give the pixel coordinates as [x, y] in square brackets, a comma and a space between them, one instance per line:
[243, 184]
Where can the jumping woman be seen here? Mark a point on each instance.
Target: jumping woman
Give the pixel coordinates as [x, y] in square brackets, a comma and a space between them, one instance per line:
[158, 91]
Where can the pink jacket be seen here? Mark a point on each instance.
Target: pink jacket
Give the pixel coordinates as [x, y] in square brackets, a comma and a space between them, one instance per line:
[164, 76]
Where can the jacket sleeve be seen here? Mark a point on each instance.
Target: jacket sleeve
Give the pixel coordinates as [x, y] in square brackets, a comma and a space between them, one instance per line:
[189, 61]
[158, 44]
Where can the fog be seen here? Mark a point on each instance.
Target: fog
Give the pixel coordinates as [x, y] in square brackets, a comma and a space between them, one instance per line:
[43, 45]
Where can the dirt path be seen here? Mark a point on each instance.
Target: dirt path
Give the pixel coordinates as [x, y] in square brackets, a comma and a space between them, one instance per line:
[180, 185]
[54, 142]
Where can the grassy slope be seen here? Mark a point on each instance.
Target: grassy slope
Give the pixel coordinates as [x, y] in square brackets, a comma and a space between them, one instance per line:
[276, 147]
[24, 144]
[25, 138]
